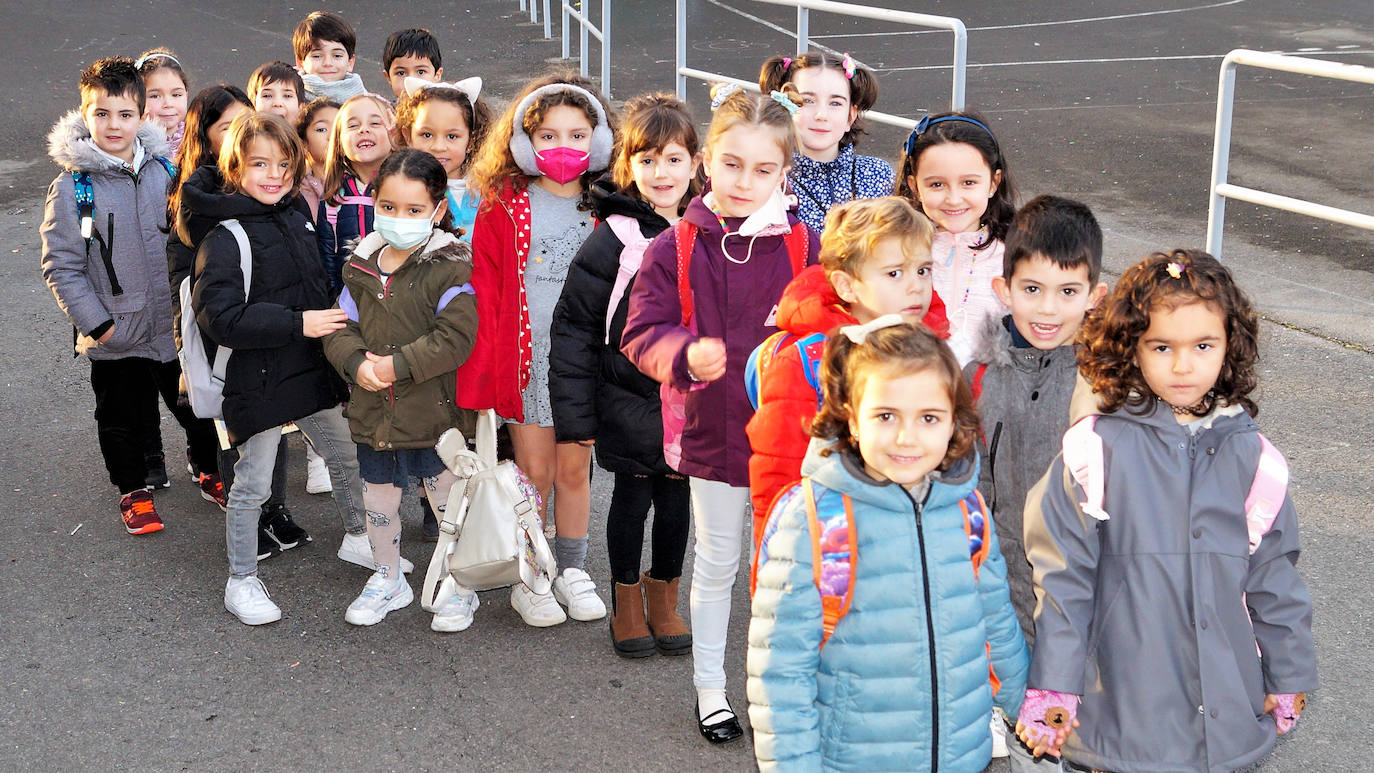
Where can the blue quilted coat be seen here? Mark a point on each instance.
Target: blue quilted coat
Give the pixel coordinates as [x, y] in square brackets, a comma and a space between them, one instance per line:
[903, 682]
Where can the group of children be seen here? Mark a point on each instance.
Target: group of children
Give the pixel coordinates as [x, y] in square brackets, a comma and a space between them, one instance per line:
[954, 441]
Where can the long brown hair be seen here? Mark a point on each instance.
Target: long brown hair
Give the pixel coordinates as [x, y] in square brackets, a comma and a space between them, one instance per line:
[650, 123]
[336, 163]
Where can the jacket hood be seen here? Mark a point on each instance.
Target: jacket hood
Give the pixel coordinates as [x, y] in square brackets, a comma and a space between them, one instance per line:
[441, 246]
[203, 196]
[1161, 418]
[607, 201]
[810, 305]
[70, 145]
[844, 472]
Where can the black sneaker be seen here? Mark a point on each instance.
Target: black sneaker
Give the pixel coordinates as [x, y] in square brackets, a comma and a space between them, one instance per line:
[267, 544]
[157, 471]
[277, 520]
[191, 468]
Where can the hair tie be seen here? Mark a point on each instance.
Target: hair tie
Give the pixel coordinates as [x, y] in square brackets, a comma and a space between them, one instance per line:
[787, 63]
[785, 101]
[1175, 269]
[848, 64]
[470, 87]
[857, 333]
[721, 93]
[142, 60]
[927, 121]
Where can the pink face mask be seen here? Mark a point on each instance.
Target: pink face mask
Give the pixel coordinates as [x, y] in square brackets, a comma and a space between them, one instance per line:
[562, 165]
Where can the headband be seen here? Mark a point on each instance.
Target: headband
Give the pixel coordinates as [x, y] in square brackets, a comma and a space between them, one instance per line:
[142, 60]
[723, 92]
[522, 150]
[927, 121]
[470, 87]
[857, 333]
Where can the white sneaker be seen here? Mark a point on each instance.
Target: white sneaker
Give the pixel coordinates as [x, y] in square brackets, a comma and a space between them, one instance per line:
[999, 736]
[247, 598]
[455, 614]
[316, 473]
[576, 591]
[540, 611]
[380, 595]
[355, 549]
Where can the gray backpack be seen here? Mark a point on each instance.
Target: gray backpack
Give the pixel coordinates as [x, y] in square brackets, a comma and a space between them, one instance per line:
[205, 380]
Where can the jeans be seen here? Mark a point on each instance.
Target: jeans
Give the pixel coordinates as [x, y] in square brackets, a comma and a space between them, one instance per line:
[719, 510]
[327, 431]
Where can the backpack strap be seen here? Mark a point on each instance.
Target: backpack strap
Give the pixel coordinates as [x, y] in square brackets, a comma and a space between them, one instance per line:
[85, 206]
[1267, 492]
[169, 166]
[811, 350]
[626, 229]
[234, 227]
[798, 246]
[686, 237]
[833, 559]
[760, 360]
[976, 385]
[1085, 461]
[978, 527]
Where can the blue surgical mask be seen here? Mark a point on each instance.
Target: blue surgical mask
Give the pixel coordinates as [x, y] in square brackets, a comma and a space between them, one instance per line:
[404, 233]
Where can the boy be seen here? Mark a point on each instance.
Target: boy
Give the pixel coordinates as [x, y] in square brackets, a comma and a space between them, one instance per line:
[324, 44]
[412, 53]
[104, 260]
[276, 88]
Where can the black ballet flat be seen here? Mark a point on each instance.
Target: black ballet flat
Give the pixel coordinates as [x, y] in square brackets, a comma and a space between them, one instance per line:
[720, 732]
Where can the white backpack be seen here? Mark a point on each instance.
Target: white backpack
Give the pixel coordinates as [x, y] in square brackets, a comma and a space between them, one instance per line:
[489, 533]
[205, 381]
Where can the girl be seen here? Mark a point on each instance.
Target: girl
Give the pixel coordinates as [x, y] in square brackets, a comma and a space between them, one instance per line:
[449, 121]
[533, 175]
[313, 126]
[953, 170]
[598, 395]
[1164, 542]
[826, 170]
[166, 88]
[277, 373]
[358, 143]
[745, 246]
[892, 496]
[411, 321]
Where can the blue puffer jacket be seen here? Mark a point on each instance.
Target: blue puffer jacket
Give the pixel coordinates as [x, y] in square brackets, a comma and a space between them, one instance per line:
[876, 698]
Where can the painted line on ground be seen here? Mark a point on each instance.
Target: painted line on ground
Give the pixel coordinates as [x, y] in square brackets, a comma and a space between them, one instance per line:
[1104, 60]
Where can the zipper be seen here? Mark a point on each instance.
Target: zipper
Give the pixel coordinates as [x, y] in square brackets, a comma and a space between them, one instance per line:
[992, 463]
[930, 633]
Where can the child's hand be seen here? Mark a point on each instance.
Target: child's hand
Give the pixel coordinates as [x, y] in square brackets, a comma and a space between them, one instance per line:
[706, 359]
[366, 377]
[321, 322]
[1045, 721]
[1286, 707]
[383, 367]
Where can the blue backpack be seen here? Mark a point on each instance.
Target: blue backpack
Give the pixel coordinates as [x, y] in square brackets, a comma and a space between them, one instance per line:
[85, 204]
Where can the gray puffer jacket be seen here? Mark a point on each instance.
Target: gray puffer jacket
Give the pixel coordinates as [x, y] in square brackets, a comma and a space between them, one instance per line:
[1153, 614]
[121, 274]
[1024, 406]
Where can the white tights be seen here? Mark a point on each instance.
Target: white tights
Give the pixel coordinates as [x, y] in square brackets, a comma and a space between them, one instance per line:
[719, 513]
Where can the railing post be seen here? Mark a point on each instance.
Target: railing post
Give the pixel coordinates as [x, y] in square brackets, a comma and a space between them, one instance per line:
[564, 9]
[680, 50]
[582, 42]
[803, 30]
[606, 48]
[548, 32]
[956, 96]
[1221, 153]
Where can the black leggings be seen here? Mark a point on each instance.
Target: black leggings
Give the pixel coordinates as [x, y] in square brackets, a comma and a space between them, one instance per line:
[630, 501]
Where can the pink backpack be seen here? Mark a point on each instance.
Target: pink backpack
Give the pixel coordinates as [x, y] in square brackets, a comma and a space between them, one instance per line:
[626, 229]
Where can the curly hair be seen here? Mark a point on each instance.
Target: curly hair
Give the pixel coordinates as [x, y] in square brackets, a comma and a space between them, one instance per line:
[894, 351]
[477, 116]
[1111, 334]
[854, 228]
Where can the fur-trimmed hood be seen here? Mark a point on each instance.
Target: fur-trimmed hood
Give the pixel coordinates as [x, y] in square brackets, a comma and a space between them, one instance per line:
[70, 145]
[441, 246]
[993, 346]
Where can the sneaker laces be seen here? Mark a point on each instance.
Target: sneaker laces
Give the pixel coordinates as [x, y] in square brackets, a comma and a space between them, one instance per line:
[378, 586]
[141, 506]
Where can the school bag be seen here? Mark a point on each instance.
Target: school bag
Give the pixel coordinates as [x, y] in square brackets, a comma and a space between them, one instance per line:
[626, 229]
[811, 350]
[204, 379]
[489, 532]
[85, 200]
[675, 400]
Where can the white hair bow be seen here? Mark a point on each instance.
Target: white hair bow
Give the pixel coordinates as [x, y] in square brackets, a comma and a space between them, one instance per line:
[857, 333]
[471, 87]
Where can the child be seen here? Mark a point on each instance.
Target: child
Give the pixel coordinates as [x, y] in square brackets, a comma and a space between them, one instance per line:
[358, 143]
[400, 348]
[1156, 573]
[890, 654]
[875, 260]
[325, 45]
[276, 88]
[449, 121]
[313, 126]
[411, 53]
[277, 373]
[745, 247]
[596, 392]
[953, 170]
[115, 176]
[826, 170]
[534, 171]
[166, 90]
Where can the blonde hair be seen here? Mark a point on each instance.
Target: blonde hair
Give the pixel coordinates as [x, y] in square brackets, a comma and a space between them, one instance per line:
[743, 108]
[336, 164]
[248, 126]
[854, 228]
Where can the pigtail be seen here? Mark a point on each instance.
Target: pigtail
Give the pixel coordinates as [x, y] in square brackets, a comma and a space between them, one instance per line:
[832, 420]
[773, 75]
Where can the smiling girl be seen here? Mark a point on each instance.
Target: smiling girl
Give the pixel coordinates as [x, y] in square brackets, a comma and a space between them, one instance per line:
[358, 144]
[449, 121]
[167, 92]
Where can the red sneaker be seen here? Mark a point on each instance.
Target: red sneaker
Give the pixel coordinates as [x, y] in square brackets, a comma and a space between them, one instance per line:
[140, 517]
[212, 490]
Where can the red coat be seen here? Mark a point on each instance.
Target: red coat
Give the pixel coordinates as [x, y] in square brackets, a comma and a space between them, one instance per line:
[778, 430]
[498, 369]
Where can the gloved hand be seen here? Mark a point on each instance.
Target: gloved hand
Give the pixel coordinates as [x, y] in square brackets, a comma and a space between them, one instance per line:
[1046, 719]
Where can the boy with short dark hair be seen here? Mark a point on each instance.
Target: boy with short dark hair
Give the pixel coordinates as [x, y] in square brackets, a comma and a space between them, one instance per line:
[411, 53]
[277, 88]
[325, 48]
[104, 261]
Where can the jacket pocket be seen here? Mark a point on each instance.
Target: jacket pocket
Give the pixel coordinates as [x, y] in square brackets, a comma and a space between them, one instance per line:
[132, 325]
[1102, 618]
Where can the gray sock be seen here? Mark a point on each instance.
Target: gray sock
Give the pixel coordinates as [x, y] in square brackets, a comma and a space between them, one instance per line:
[571, 552]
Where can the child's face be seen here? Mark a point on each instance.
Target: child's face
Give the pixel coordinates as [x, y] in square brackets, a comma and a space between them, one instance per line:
[403, 197]
[663, 176]
[220, 128]
[410, 66]
[1047, 301]
[891, 280]
[745, 166]
[365, 132]
[826, 113]
[329, 60]
[902, 424]
[164, 98]
[563, 126]
[113, 121]
[266, 173]
[1181, 354]
[317, 135]
[953, 185]
[441, 130]
[278, 98]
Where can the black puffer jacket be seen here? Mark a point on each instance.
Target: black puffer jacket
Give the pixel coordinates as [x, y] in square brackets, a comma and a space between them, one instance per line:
[276, 374]
[596, 392]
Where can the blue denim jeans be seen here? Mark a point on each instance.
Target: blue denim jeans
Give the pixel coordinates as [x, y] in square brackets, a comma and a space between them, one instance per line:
[327, 431]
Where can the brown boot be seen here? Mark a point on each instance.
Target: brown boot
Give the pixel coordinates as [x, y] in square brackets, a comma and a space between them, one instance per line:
[629, 634]
[671, 633]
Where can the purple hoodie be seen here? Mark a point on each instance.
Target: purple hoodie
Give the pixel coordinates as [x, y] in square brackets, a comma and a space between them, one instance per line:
[734, 302]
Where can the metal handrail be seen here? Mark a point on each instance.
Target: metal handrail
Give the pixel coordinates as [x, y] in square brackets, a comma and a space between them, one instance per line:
[602, 34]
[1221, 148]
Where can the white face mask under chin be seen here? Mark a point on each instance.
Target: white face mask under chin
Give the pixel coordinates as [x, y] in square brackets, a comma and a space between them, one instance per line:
[772, 215]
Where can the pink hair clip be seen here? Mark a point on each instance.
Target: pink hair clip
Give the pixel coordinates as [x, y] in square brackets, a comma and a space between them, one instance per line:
[848, 63]
[1175, 269]
[787, 63]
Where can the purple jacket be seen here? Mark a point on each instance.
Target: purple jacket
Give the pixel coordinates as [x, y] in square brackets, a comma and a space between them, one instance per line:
[734, 302]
